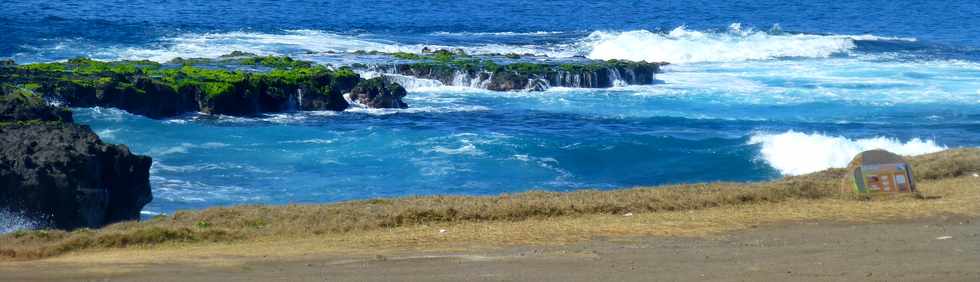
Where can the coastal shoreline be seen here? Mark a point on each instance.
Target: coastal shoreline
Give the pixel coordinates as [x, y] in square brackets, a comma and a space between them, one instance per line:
[949, 196]
[943, 246]
[265, 140]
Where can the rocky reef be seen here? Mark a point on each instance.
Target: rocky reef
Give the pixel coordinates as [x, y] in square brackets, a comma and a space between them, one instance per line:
[379, 93]
[244, 84]
[239, 84]
[456, 68]
[60, 173]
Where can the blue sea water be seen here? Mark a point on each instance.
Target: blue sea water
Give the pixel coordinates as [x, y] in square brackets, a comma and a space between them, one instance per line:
[756, 90]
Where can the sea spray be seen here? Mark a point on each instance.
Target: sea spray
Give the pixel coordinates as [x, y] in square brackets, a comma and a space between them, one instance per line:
[795, 153]
[12, 221]
[681, 46]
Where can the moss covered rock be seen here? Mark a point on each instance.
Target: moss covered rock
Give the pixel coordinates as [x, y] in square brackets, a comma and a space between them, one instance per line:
[189, 85]
[453, 68]
[19, 105]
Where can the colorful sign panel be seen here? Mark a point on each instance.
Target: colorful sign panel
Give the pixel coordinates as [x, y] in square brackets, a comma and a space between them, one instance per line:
[894, 177]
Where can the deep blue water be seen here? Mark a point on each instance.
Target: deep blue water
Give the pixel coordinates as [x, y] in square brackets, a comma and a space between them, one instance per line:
[756, 90]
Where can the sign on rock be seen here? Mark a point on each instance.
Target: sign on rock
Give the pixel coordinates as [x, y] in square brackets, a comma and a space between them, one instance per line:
[879, 171]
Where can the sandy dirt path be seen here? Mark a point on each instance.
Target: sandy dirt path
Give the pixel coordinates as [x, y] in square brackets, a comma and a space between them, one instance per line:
[934, 249]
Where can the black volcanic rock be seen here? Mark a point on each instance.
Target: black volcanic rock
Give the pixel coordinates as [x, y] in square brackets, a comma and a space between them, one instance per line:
[23, 106]
[524, 76]
[379, 93]
[507, 81]
[499, 74]
[142, 96]
[212, 86]
[62, 174]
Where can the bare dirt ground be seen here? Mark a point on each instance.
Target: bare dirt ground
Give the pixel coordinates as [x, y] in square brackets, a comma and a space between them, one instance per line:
[939, 248]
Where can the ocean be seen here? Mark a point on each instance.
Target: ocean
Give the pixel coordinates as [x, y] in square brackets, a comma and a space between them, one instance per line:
[756, 90]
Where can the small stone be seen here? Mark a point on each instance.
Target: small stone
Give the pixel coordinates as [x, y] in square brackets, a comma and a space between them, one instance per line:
[442, 231]
[628, 214]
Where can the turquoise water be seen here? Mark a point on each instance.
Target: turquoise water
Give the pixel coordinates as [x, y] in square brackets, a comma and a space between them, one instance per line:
[756, 90]
[744, 121]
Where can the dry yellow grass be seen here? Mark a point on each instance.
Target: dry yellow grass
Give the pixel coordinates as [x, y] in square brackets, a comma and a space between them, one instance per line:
[946, 182]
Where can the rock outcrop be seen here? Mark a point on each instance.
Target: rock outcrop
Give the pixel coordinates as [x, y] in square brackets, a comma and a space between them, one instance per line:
[453, 68]
[379, 93]
[159, 91]
[139, 95]
[61, 173]
[20, 106]
[532, 76]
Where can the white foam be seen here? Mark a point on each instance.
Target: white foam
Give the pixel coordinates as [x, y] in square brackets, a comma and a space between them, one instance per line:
[466, 149]
[183, 148]
[107, 134]
[410, 83]
[112, 114]
[184, 191]
[504, 33]
[13, 221]
[159, 166]
[681, 45]
[290, 42]
[151, 213]
[210, 45]
[552, 164]
[421, 109]
[795, 153]
[317, 141]
[872, 37]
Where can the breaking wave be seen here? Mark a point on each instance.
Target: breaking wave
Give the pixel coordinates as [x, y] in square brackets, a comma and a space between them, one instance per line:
[294, 42]
[795, 153]
[680, 45]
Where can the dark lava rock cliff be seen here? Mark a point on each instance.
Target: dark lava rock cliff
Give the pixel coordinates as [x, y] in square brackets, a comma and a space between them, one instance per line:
[247, 86]
[60, 173]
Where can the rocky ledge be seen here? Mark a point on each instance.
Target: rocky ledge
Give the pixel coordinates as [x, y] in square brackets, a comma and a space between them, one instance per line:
[59, 173]
[379, 93]
[459, 69]
[238, 84]
[243, 84]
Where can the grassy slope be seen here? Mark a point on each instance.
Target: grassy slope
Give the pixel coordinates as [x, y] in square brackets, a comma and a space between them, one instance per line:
[945, 179]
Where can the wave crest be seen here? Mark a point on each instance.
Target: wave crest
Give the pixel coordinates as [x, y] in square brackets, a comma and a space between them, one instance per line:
[678, 46]
[681, 45]
[795, 153]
